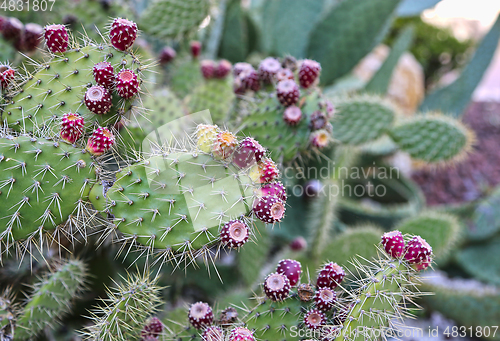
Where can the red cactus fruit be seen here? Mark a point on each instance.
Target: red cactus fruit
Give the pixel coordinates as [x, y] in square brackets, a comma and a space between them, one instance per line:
[320, 138]
[284, 74]
[224, 145]
[2, 22]
[123, 33]
[240, 67]
[71, 127]
[318, 120]
[291, 269]
[417, 250]
[241, 334]
[104, 74]
[325, 299]
[298, 244]
[292, 115]
[393, 243]
[276, 189]
[98, 99]
[30, 38]
[167, 54]
[250, 79]
[6, 75]
[200, 315]
[248, 153]
[56, 38]
[314, 319]
[126, 83]
[269, 209]
[268, 68]
[12, 28]
[277, 286]
[207, 68]
[422, 266]
[330, 276]
[100, 141]
[153, 328]
[268, 170]
[287, 92]
[235, 233]
[222, 69]
[195, 48]
[309, 72]
[213, 333]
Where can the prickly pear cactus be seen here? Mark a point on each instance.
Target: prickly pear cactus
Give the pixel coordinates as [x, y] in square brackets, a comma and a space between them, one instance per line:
[43, 184]
[7, 315]
[51, 299]
[215, 95]
[59, 87]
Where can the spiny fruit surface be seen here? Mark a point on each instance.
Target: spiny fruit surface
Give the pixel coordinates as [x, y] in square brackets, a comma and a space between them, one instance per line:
[167, 54]
[213, 333]
[30, 38]
[98, 100]
[59, 87]
[224, 145]
[41, 183]
[200, 315]
[126, 83]
[207, 68]
[235, 233]
[314, 319]
[123, 33]
[325, 299]
[268, 68]
[72, 127]
[104, 74]
[12, 28]
[287, 92]
[330, 276]
[309, 72]
[292, 115]
[393, 243]
[222, 69]
[276, 189]
[56, 38]
[269, 209]
[291, 268]
[6, 75]
[100, 141]
[268, 170]
[241, 334]
[153, 328]
[417, 250]
[277, 286]
[249, 152]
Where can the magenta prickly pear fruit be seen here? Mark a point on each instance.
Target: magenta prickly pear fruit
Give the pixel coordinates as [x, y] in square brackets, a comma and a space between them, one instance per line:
[309, 72]
[104, 74]
[207, 68]
[320, 138]
[241, 334]
[325, 299]
[269, 209]
[30, 38]
[292, 115]
[72, 127]
[200, 315]
[250, 79]
[268, 170]
[2, 22]
[291, 269]
[284, 74]
[56, 38]
[126, 83]
[298, 244]
[330, 276]
[268, 68]
[123, 33]
[224, 145]
[277, 286]
[248, 153]
[417, 251]
[238, 68]
[222, 69]
[100, 141]
[276, 189]
[98, 99]
[287, 92]
[195, 48]
[314, 319]
[12, 28]
[167, 54]
[213, 333]
[153, 328]
[234, 234]
[393, 243]
[6, 75]
[422, 266]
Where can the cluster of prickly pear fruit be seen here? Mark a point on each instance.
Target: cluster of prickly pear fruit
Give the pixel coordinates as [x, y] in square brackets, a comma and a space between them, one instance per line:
[25, 38]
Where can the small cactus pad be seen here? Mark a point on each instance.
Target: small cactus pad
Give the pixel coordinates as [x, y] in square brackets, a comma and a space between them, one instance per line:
[433, 138]
[59, 87]
[41, 184]
[361, 120]
[179, 201]
[51, 299]
[215, 95]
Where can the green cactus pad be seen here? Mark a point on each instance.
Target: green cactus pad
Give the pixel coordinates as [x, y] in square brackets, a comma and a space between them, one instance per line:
[265, 123]
[42, 183]
[185, 76]
[361, 120]
[171, 18]
[59, 87]
[125, 310]
[479, 260]
[162, 107]
[215, 95]
[51, 299]
[178, 201]
[433, 138]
